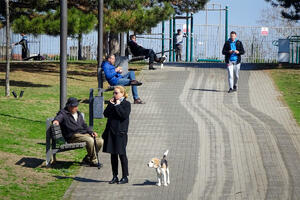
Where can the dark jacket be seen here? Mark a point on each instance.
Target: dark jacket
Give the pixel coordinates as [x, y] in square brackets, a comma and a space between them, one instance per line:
[25, 51]
[226, 49]
[136, 49]
[115, 133]
[68, 124]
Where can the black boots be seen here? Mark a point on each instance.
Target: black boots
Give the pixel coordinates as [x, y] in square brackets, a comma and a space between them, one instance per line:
[151, 67]
[114, 180]
[123, 180]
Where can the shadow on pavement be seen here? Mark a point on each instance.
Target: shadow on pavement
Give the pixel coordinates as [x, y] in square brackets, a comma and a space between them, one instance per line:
[80, 179]
[207, 90]
[146, 182]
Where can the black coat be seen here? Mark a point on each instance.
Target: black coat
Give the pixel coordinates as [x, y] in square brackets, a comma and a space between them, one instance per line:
[68, 124]
[115, 134]
[226, 49]
[136, 49]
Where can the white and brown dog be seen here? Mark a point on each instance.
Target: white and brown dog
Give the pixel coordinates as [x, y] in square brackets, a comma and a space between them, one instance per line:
[162, 169]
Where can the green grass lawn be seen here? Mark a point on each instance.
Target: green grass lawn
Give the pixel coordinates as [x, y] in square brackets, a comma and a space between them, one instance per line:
[288, 82]
[23, 174]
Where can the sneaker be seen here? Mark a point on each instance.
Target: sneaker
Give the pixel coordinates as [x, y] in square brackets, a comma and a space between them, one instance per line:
[138, 101]
[135, 82]
[230, 90]
[234, 88]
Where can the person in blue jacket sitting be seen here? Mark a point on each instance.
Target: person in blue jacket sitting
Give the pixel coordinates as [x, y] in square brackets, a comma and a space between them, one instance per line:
[114, 77]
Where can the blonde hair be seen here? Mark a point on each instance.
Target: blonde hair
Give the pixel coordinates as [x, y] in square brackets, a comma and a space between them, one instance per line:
[122, 90]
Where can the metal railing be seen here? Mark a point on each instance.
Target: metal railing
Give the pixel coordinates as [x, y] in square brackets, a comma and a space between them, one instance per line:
[208, 43]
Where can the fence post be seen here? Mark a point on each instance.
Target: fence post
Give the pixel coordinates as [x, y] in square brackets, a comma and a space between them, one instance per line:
[297, 53]
[226, 23]
[170, 40]
[174, 45]
[192, 34]
[163, 38]
[292, 53]
[187, 38]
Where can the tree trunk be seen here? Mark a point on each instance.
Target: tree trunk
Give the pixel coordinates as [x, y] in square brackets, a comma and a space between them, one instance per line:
[105, 44]
[122, 44]
[7, 50]
[114, 46]
[80, 46]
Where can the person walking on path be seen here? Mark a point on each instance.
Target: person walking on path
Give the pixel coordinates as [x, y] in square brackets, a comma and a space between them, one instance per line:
[114, 77]
[115, 134]
[74, 130]
[233, 49]
[138, 50]
[24, 43]
[178, 41]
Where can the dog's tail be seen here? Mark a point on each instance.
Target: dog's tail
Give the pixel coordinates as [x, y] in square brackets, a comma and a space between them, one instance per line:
[165, 154]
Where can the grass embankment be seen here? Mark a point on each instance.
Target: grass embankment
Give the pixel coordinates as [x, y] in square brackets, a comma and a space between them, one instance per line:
[23, 174]
[288, 82]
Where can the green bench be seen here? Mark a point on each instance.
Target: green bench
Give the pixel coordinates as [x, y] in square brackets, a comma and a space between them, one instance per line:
[55, 142]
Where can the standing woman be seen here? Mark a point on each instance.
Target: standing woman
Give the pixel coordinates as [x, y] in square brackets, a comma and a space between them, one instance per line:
[115, 134]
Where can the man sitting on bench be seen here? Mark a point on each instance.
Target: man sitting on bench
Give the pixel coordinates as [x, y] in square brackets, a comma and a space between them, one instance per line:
[138, 50]
[114, 77]
[75, 130]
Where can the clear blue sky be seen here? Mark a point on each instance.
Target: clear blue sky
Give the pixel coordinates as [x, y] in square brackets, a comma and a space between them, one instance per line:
[241, 12]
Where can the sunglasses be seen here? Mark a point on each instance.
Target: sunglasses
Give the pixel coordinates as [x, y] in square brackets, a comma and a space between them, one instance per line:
[116, 92]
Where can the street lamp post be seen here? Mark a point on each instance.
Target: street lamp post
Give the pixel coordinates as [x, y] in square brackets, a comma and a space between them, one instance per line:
[100, 42]
[7, 50]
[63, 52]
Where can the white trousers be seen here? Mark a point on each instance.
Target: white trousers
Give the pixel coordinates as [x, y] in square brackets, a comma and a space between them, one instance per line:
[233, 70]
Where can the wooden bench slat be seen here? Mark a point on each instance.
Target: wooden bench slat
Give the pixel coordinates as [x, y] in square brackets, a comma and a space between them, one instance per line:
[55, 142]
[73, 145]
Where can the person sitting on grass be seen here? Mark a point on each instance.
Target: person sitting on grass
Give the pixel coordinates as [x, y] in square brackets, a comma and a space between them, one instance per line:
[75, 130]
[114, 77]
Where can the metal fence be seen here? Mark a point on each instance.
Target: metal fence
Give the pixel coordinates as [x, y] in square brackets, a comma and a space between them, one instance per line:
[48, 46]
[208, 42]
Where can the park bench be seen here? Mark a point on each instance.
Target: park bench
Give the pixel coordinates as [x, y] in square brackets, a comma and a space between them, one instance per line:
[55, 142]
[133, 58]
[121, 61]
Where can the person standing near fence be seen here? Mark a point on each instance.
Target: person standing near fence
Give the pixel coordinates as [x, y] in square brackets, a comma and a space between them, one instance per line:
[24, 43]
[178, 41]
[233, 49]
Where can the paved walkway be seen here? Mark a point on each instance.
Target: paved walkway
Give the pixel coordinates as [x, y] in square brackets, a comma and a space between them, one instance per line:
[243, 145]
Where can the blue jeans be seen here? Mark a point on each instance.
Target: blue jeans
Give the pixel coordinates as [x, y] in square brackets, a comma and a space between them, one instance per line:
[126, 81]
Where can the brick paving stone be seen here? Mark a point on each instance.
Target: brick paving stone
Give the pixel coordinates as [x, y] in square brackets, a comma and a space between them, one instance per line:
[243, 145]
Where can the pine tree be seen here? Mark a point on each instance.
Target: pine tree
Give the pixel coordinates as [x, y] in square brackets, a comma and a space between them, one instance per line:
[42, 16]
[291, 8]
